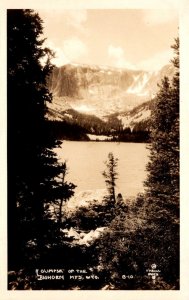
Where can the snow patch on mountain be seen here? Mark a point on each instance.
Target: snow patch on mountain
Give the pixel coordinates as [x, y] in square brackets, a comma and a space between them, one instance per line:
[83, 108]
[94, 137]
[139, 84]
[130, 120]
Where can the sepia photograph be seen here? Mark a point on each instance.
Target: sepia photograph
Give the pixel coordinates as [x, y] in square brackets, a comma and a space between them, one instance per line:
[93, 148]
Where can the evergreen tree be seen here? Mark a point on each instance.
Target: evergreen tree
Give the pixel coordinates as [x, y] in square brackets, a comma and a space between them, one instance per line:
[110, 175]
[162, 185]
[63, 192]
[32, 165]
[163, 169]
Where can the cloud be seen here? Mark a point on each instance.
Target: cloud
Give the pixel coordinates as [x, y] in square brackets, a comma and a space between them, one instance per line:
[159, 16]
[70, 51]
[74, 48]
[153, 63]
[77, 18]
[115, 52]
[157, 61]
[74, 18]
[60, 58]
[118, 56]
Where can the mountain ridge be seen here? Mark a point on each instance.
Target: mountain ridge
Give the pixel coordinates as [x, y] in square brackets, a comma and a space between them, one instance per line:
[102, 90]
[114, 96]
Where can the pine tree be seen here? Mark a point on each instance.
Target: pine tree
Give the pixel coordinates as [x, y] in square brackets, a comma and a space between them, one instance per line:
[33, 167]
[163, 168]
[162, 185]
[62, 193]
[110, 175]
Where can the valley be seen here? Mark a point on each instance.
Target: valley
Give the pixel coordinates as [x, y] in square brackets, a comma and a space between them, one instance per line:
[97, 100]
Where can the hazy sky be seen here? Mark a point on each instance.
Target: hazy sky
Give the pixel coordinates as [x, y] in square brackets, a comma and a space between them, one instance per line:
[131, 38]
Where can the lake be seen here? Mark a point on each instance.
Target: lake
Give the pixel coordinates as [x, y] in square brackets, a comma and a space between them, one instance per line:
[85, 161]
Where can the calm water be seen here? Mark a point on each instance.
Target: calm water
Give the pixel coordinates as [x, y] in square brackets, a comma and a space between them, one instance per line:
[85, 161]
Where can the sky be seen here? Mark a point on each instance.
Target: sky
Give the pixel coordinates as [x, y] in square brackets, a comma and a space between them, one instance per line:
[125, 38]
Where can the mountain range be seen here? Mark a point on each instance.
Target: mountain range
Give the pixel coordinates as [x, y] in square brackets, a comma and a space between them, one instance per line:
[103, 93]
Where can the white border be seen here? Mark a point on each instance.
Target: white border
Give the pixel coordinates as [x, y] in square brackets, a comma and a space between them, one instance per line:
[183, 7]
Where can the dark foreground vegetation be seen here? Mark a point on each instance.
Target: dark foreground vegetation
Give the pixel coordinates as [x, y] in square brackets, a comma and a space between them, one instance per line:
[139, 245]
